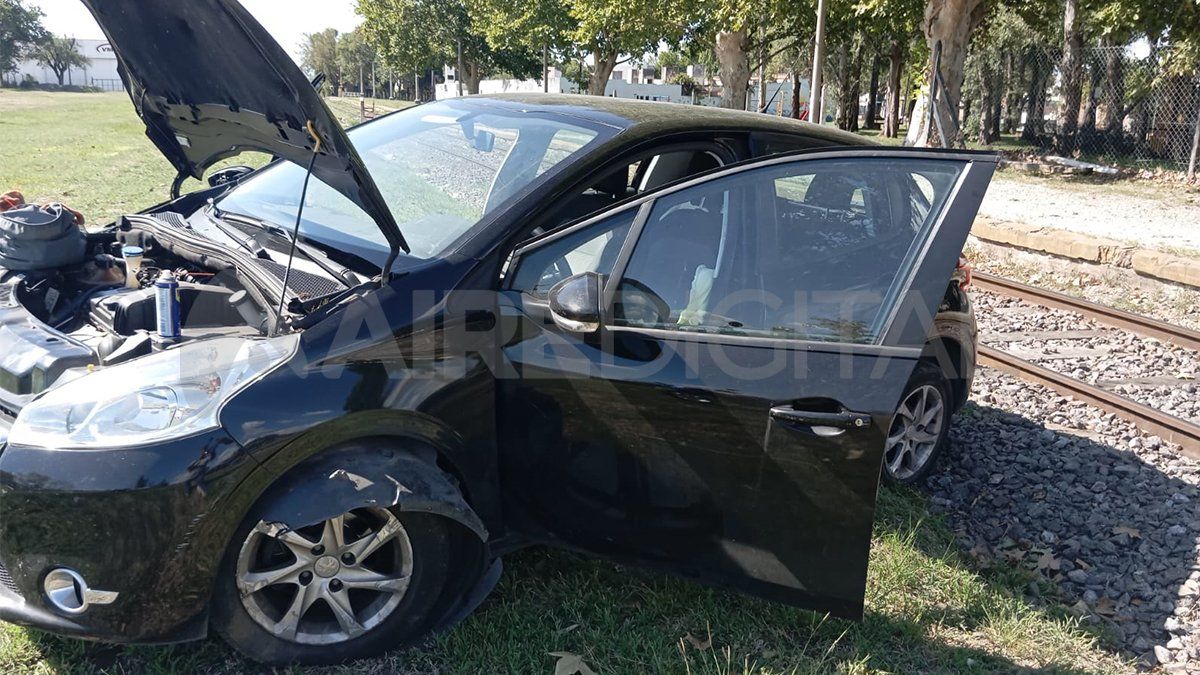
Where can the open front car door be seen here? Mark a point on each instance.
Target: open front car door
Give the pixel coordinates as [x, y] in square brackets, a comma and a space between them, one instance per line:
[707, 374]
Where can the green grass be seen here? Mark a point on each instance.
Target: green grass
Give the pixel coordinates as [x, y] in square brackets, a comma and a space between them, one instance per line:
[930, 607]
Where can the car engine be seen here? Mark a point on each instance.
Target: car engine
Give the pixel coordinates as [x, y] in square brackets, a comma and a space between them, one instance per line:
[86, 312]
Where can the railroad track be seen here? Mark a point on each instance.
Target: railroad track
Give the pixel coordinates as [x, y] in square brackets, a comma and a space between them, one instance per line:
[1168, 427]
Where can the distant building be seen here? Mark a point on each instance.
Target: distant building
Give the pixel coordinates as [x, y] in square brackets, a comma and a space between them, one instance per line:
[101, 71]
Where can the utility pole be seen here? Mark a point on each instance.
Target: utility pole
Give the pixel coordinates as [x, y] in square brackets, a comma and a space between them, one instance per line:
[459, 69]
[815, 85]
[545, 68]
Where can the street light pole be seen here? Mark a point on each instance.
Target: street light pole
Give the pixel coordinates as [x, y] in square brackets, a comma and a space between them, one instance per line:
[814, 92]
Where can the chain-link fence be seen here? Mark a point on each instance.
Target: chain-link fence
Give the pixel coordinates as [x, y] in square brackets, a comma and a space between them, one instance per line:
[1133, 109]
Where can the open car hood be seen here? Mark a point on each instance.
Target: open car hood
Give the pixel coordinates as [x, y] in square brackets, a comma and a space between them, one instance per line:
[210, 83]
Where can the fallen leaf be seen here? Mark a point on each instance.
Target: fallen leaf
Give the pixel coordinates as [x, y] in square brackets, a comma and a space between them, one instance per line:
[570, 664]
[1082, 565]
[1131, 531]
[1106, 606]
[1047, 561]
[698, 644]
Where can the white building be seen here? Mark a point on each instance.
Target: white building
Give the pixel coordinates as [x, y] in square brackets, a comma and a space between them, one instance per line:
[559, 84]
[101, 71]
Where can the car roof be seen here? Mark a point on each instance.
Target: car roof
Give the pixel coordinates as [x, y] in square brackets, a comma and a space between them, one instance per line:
[648, 118]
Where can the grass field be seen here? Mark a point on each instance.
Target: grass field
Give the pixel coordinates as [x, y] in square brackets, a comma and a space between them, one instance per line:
[930, 607]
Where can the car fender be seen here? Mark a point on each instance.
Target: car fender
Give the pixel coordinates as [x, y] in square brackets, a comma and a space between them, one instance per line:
[388, 473]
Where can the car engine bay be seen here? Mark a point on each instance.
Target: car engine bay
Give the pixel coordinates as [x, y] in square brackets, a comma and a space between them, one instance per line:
[88, 313]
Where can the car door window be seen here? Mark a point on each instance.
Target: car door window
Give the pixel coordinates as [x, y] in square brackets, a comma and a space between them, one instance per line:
[809, 250]
[646, 173]
[590, 248]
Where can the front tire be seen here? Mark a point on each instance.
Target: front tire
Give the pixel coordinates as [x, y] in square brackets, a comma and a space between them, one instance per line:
[920, 427]
[354, 586]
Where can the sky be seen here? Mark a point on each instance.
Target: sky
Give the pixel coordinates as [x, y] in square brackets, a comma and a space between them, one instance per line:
[286, 20]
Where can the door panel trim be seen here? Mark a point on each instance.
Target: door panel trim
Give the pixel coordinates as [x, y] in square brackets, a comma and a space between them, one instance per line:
[790, 344]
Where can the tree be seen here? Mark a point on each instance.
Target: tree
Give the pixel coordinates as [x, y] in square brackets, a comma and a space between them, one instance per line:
[59, 54]
[1072, 75]
[412, 35]
[20, 28]
[949, 23]
[318, 56]
[745, 34]
[610, 29]
[544, 26]
[898, 23]
[355, 56]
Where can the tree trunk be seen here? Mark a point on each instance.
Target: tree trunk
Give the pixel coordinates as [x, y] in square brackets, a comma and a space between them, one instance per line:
[1035, 100]
[473, 75]
[855, 87]
[843, 82]
[987, 86]
[1010, 109]
[1113, 112]
[1072, 78]
[734, 68]
[605, 63]
[795, 94]
[891, 120]
[1087, 119]
[871, 120]
[950, 22]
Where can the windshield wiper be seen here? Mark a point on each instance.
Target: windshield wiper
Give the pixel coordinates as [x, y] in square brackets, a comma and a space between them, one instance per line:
[310, 252]
[247, 242]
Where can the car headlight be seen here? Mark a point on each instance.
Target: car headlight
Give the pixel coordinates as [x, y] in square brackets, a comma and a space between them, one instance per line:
[170, 394]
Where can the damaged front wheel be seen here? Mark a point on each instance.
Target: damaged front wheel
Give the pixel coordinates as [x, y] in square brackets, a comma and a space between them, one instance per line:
[351, 586]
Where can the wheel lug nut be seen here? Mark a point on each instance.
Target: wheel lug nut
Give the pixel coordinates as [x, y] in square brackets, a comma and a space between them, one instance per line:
[347, 558]
[335, 585]
[318, 549]
[305, 578]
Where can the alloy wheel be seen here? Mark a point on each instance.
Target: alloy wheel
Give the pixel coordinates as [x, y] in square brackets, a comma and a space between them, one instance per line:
[325, 583]
[915, 431]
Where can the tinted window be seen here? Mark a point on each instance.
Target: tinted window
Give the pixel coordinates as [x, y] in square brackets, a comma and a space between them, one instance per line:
[809, 250]
[591, 249]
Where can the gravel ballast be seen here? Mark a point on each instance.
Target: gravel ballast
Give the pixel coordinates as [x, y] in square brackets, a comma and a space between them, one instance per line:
[1107, 513]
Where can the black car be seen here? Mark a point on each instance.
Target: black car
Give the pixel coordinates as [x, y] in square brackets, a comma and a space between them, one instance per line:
[672, 336]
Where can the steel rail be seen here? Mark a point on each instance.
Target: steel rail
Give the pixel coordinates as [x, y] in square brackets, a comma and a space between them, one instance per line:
[1110, 316]
[1168, 427]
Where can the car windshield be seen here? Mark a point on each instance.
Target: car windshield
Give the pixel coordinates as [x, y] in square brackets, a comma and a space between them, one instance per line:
[441, 167]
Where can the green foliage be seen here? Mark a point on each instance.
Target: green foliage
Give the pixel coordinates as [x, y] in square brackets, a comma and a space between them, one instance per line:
[529, 25]
[419, 34]
[354, 56]
[20, 28]
[633, 27]
[318, 56]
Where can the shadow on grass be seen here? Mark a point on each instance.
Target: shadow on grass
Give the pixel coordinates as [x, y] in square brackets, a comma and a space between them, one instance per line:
[927, 610]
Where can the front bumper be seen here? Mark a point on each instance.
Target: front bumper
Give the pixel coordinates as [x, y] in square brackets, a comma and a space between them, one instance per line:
[149, 523]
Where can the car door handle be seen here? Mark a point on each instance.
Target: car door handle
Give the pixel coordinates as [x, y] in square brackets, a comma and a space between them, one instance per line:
[844, 419]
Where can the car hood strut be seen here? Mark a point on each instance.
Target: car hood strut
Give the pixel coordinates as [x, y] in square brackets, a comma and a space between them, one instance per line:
[209, 82]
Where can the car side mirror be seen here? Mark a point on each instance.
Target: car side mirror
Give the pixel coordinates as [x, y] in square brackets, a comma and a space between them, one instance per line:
[228, 175]
[575, 303]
